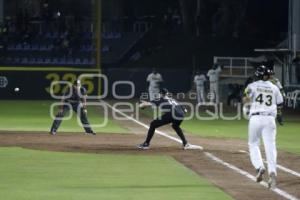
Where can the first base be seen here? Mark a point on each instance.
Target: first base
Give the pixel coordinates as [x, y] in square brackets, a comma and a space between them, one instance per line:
[193, 147]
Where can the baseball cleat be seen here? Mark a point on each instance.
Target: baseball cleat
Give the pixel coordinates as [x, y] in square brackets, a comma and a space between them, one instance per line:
[260, 173]
[90, 133]
[144, 146]
[192, 147]
[272, 181]
[52, 133]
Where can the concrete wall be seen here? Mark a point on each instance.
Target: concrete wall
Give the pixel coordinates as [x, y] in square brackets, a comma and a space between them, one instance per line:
[1, 11]
[294, 21]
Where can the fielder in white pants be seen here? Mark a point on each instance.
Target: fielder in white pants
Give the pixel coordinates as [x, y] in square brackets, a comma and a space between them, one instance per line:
[199, 81]
[153, 93]
[154, 79]
[264, 99]
[214, 91]
[213, 75]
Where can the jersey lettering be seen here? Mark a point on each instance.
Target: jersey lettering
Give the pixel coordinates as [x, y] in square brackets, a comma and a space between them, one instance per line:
[267, 101]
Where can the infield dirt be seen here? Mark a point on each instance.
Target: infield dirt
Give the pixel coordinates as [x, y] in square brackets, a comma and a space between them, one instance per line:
[237, 186]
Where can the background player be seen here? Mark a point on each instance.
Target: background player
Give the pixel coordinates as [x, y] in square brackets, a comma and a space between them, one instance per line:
[264, 98]
[199, 81]
[276, 82]
[173, 113]
[213, 75]
[154, 80]
[77, 100]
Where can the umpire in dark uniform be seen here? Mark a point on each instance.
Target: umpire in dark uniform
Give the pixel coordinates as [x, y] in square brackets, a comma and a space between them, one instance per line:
[77, 100]
[173, 113]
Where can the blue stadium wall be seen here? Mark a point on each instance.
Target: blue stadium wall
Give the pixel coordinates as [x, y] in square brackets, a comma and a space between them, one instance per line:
[34, 83]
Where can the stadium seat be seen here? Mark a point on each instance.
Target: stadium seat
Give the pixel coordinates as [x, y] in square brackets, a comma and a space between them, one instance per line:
[24, 60]
[70, 61]
[34, 47]
[77, 61]
[47, 61]
[32, 60]
[62, 61]
[16, 60]
[54, 61]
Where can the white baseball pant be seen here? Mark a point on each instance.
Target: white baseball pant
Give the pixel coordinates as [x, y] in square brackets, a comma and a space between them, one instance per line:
[262, 127]
[200, 94]
[214, 91]
[153, 93]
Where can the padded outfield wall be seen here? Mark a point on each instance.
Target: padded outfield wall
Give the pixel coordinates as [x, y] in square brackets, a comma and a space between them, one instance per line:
[35, 83]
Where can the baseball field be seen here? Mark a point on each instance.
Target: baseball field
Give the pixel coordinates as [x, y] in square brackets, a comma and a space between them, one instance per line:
[108, 166]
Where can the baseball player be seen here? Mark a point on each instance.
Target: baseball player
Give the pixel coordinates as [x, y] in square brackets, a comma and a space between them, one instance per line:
[154, 80]
[199, 81]
[173, 113]
[276, 82]
[264, 99]
[78, 103]
[213, 75]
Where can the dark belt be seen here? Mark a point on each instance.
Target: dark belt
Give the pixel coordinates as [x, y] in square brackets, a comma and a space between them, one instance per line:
[263, 114]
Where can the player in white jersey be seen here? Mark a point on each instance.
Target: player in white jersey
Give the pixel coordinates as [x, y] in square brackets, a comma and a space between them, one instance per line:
[199, 81]
[264, 99]
[276, 82]
[154, 79]
[213, 75]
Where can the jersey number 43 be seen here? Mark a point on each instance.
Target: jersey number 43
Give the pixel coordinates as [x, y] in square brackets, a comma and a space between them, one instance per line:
[266, 99]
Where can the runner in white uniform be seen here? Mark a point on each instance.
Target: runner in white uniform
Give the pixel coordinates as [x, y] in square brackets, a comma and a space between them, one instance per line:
[213, 75]
[199, 81]
[154, 79]
[264, 98]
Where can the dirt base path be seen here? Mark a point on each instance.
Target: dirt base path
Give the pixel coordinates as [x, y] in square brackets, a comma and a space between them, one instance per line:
[232, 183]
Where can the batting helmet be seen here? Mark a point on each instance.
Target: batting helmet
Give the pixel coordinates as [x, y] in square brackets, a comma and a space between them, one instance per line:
[261, 71]
[271, 70]
[164, 91]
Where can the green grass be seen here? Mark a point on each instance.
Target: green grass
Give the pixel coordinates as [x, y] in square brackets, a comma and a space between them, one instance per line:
[216, 128]
[288, 136]
[35, 175]
[35, 116]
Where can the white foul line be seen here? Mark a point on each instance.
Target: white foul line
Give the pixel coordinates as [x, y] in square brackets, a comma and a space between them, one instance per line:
[244, 173]
[287, 170]
[142, 124]
[211, 156]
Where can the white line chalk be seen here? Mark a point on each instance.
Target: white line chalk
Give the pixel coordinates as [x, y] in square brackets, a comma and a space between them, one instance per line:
[244, 173]
[211, 156]
[146, 126]
[285, 169]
